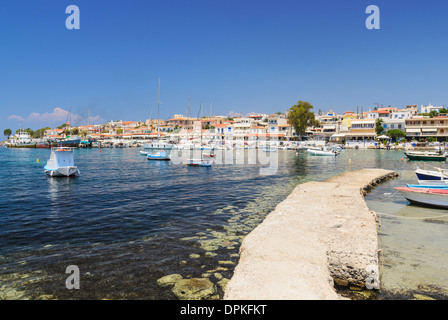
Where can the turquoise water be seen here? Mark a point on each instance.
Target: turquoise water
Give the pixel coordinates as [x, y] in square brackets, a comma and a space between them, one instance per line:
[126, 221]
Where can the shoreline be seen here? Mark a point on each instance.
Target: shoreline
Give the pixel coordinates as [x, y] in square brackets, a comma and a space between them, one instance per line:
[336, 244]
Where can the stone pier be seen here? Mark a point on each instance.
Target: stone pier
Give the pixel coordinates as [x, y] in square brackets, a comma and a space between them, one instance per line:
[322, 233]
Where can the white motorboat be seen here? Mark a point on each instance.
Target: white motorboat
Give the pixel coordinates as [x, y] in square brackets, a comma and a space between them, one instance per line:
[322, 152]
[158, 145]
[61, 163]
[439, 174]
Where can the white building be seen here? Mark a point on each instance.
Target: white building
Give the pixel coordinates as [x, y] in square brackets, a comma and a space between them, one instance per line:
[430, 107]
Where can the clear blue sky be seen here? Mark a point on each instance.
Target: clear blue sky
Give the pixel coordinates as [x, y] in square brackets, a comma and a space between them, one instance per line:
[239, 55]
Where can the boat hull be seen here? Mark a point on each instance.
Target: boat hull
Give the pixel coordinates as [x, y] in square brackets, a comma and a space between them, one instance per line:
[63, 172]
[158, 158]
[430, 175]
[322, 153]
[427, 197]
[423, 157]
[199, 163]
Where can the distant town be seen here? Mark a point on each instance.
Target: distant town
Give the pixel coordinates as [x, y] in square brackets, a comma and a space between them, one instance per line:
[424, 123]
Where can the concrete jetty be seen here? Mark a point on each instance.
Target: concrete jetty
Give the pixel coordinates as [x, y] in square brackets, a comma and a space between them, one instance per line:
[322, 233]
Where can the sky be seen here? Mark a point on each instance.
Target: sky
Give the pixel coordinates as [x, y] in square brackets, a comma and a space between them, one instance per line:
[235, 56]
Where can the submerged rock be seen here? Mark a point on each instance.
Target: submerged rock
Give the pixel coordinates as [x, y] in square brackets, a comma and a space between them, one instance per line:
[194, 289]
[169, 280]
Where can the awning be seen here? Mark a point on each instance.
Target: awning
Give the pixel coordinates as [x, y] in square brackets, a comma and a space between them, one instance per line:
[338, 135]
[412, 130]
[366, 134]
[429, 130]
[329, 126]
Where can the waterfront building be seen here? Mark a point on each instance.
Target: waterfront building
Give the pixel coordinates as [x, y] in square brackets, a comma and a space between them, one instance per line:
[423, 127]
[362, 133]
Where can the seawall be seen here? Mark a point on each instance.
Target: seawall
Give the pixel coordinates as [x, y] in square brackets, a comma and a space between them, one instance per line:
[322, 233]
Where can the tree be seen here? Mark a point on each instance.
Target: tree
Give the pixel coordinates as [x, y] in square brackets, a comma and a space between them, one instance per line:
[84, 133]
[379, 128]
[39, 133]
[395, 133]
[7, 133]
[301, 117]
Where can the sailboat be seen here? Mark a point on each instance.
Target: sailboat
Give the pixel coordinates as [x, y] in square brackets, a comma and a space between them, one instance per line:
[159, 144]
[199, 162]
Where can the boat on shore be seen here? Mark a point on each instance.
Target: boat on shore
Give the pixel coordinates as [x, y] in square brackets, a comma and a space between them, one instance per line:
[425, 196]
[61, 163]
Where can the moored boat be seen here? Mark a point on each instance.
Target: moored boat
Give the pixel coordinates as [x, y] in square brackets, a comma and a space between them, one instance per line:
[425, 155]
[322, 152]
[433, 182]
[428, 186]
[425, 196]
[161, 156]
[199, 162]
[438, 174]
[61, 163]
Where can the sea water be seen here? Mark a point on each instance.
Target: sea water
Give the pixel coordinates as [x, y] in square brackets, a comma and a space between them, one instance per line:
[127, 222]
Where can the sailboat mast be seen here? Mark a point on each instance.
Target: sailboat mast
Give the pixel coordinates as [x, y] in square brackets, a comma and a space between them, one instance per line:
[188, 118]
[202, 103]
[70, 121]
[158, 108]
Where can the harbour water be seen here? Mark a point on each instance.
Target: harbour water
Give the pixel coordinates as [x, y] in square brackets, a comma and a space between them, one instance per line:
[126, 222]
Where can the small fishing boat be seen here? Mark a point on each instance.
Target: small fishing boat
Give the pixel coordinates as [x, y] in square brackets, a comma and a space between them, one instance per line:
[61, 163]
[199, 162]
[144, 153]
[211, 155]
[428, 186]
[161, 156]
[322, 152]
[438, 174]
[423, 196]
[433, 182]
[425, 155]
[270, 149]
